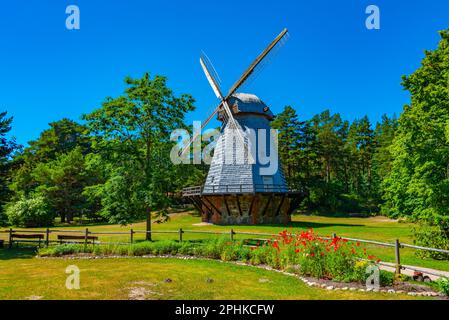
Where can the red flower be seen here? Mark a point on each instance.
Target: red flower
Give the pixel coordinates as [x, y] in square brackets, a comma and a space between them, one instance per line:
[297, 250]
[312, 254]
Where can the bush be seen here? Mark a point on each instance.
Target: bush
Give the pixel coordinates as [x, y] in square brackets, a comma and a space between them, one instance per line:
[235, 252]
[30, 212]
[61, 250]
[432, 237]
[443, 285]
[3, 218]
[212, 248]
[386, 278]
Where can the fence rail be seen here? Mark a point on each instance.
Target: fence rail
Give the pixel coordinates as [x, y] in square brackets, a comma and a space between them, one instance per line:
[85, 234]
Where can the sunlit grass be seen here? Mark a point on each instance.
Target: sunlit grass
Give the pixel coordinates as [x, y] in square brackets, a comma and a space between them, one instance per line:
[27, 278]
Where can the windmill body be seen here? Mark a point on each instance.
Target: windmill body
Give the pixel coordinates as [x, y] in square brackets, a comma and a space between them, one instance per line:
[231, 169]
[241, 186]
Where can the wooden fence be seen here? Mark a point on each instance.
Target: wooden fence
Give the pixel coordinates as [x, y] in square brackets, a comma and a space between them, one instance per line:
[86, 235]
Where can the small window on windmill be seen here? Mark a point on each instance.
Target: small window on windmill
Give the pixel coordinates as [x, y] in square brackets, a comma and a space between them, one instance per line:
[235, 108]
[267, 183]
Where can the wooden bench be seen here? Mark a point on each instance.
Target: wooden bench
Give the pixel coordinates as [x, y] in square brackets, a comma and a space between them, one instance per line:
[256, 242]
[62, 237]
[13, 236]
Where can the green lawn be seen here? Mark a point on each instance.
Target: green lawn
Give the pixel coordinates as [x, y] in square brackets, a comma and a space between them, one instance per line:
[22, 276]
[373, 228]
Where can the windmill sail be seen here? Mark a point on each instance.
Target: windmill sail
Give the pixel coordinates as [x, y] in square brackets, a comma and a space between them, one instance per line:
[229, 118]
[279, 40]
[214, 80]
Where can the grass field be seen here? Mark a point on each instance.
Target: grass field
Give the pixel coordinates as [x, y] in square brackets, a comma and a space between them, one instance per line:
[22, 276]
[372, 228]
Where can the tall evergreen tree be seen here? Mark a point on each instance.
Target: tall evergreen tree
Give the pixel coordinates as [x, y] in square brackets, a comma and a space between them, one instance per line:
[134, 129]
[7, 147]
[290, 143]
[418, 184]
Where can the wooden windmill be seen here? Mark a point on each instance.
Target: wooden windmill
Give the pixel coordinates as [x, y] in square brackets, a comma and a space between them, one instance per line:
[237, 191]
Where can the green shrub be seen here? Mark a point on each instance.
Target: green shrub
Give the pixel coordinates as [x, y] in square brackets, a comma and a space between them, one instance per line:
[3, 218]
[432, 237]
[443, 285]
[61, 250]
[187, 248]
[30, 212]
[386, 278]
[212, 248]
[235, 252]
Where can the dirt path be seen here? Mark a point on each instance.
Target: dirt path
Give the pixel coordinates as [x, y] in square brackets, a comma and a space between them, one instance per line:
[409, 270]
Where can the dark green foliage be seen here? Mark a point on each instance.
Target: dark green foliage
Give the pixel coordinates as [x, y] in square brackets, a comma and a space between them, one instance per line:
[54, 166]
[418, 185]
[386, 278]
[33, 211]
[114, 168]
[443, 285]
[432, 237]
[339, 165]
[7, 147]
[132, 137]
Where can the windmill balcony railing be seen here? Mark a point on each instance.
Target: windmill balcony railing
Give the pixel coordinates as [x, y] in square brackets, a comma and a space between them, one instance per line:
[237, 188]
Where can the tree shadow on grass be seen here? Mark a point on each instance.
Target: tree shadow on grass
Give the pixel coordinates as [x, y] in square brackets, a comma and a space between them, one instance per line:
[17, 253]
[300, 225]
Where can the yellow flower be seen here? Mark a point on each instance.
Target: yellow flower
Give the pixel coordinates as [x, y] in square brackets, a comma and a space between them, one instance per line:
[361, 264]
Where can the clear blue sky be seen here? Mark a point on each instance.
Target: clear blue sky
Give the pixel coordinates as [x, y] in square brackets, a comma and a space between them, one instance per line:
[330, 61]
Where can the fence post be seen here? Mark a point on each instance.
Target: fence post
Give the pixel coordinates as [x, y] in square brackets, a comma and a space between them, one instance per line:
[47, 237]
[232, 234]
[85, 238]
[10, 238]
[397, 247]
[131, 235]
[180, 234]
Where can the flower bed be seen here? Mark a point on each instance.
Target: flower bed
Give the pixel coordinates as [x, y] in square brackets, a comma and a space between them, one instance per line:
[304, 253]
[314, 256]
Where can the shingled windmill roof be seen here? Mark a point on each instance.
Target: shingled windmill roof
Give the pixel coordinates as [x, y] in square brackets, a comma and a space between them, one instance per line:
[249, 103]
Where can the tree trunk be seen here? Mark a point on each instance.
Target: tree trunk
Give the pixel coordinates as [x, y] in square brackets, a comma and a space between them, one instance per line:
[70, 217]
[148, 234]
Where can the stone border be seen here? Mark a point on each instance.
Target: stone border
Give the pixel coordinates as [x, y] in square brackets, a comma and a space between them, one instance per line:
[309, 281]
